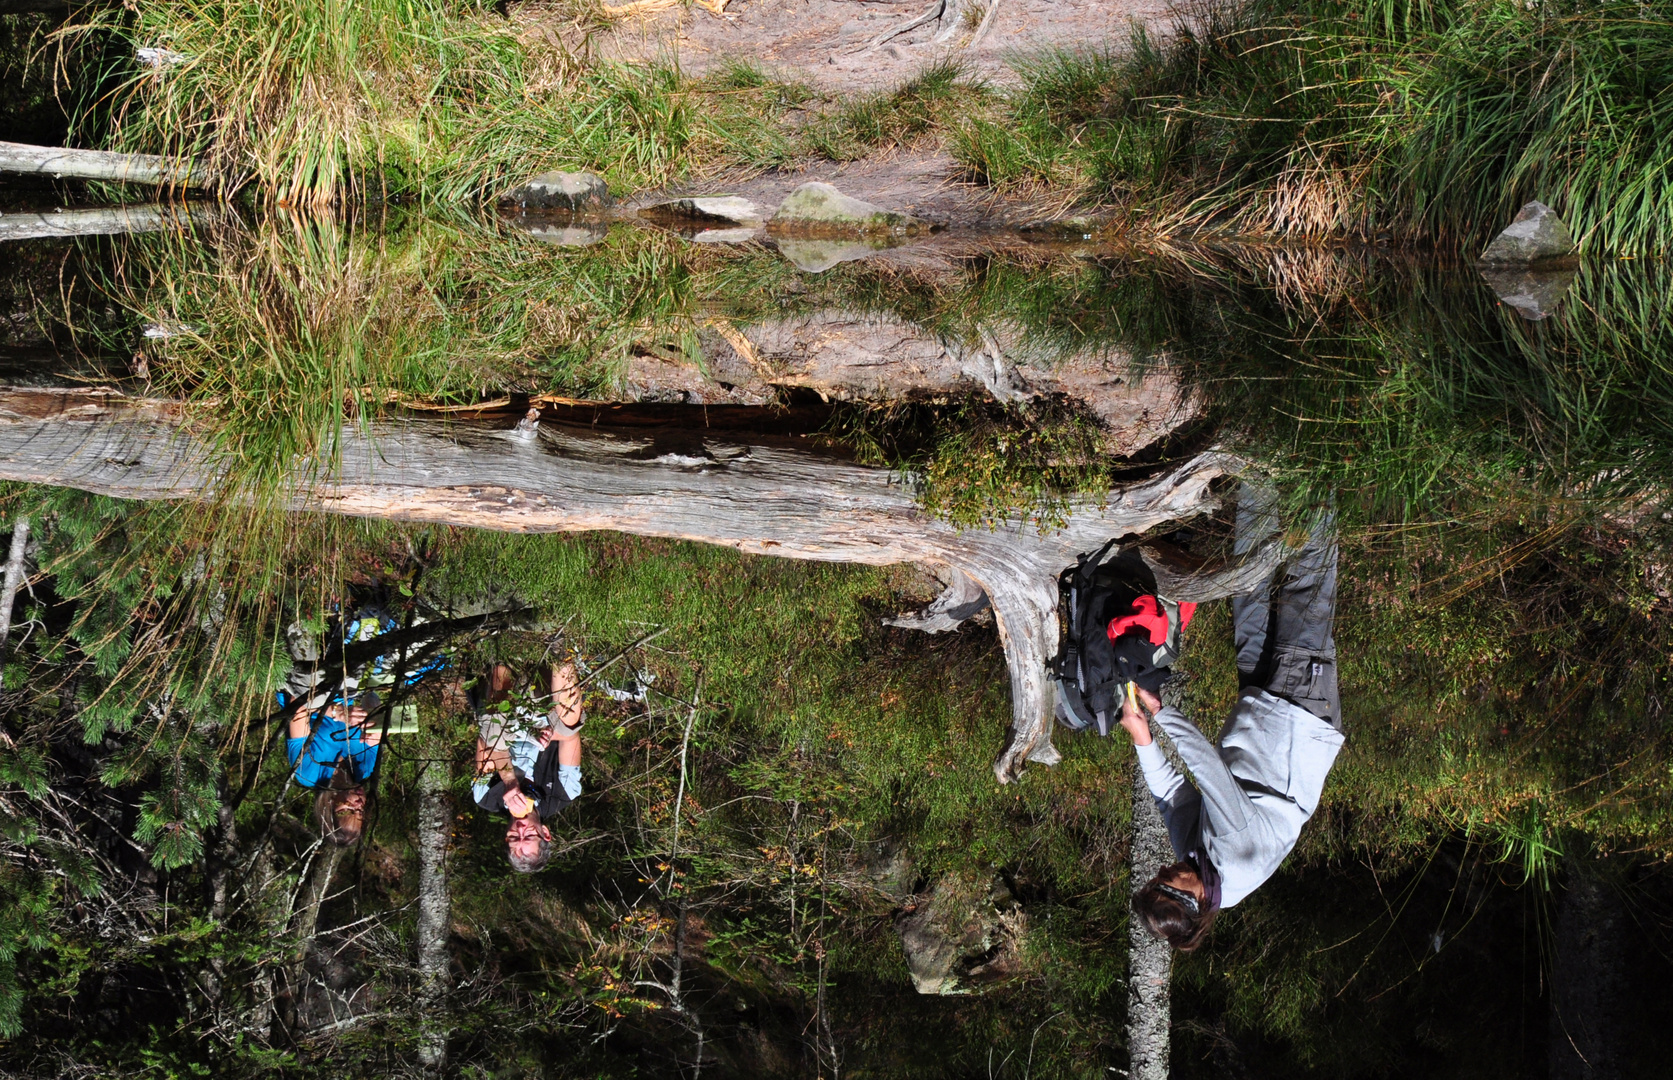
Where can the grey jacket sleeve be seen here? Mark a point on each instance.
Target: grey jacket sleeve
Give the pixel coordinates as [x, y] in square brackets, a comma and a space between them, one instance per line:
[1225, 800]
[1176, 797]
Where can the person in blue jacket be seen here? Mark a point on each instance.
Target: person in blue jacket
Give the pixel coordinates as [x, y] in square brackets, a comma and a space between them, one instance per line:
[334, 751]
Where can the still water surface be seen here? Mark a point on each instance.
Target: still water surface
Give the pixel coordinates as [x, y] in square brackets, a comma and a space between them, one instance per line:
[243, 444]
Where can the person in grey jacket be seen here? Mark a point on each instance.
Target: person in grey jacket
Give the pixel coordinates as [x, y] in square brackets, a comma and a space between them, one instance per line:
[1256, 787]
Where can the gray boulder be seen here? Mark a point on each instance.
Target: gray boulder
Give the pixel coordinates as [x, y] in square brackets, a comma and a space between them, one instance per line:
[576, 192]
[820, 208]
[1536, 235]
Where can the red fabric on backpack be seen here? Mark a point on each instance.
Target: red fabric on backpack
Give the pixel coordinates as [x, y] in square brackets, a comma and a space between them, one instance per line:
[1151, 619]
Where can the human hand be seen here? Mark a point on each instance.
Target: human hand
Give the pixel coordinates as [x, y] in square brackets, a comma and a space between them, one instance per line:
[1134, 720]
[517, 804]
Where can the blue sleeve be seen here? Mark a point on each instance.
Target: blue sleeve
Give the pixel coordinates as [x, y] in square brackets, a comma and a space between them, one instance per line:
[293, 749]
[309, 772]
[315, 755]
[365, 760]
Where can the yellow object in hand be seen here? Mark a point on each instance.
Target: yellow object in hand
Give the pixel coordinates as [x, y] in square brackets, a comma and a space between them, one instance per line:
[1132, 696]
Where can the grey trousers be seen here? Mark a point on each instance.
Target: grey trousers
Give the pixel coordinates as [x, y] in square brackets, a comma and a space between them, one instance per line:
[1284, 630]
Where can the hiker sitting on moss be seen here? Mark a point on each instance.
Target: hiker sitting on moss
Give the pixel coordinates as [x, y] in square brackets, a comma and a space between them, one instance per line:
[528, 763]
[1257, 786]
[332, 750]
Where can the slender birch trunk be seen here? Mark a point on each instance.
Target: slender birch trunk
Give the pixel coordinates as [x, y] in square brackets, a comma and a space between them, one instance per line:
[435, 819]
[14, 579]
[1149, 959]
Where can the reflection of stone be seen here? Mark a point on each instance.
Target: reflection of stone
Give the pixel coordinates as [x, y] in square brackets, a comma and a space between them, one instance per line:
[740, 235]
[817, 256]
[1536, 233]
[1533, 293]
[562, 230]
[571, 191]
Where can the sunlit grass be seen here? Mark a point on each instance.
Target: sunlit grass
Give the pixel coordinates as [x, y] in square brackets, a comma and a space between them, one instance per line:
[1421, 121]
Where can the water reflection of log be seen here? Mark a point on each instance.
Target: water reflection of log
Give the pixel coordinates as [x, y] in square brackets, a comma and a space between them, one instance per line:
[107, 220]
[687, 484]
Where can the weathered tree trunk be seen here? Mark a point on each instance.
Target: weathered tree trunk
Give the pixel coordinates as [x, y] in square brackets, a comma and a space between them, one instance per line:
[1149, 959]
[103, 165]
[767, 496]
[1587, 983]
[435, 822]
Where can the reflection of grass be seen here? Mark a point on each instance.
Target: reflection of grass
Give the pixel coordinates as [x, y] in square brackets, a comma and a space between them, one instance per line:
[1428, 120]
[1340, 371]
[444, 101]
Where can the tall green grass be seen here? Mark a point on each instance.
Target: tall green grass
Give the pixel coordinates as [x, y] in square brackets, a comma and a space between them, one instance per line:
[326, 101]
[1409, 119]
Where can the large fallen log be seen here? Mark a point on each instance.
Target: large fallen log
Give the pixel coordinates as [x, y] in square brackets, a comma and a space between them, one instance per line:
[104, 165]
[765, 496]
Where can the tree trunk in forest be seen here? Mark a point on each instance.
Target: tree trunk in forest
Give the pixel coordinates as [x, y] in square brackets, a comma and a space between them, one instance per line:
[13, 581]
[435, 824]
[1149, 959]
[223, 853]
[765, 495]
[1587, 981]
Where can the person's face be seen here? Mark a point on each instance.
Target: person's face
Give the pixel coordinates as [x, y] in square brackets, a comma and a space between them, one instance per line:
[523, 838]
[1182, 876]
[350, 809]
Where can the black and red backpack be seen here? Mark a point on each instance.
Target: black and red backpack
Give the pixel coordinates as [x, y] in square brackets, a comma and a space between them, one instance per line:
[1115, 629]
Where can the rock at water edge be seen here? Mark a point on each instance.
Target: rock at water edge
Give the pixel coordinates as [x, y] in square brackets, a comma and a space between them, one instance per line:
[1536, 234]
[577, 192]
[733, 208]
[821, 207]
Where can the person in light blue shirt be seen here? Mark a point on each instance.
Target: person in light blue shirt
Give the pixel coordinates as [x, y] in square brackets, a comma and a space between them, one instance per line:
[1250, 791]
[528, 761]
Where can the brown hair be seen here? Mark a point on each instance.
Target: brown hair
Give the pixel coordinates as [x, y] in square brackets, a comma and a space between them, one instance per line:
[1168, 919]
[326, 803]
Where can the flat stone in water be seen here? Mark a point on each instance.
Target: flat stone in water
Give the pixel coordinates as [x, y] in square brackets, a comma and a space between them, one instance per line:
[1533, 293]
[1536, 234]
[819, 207]
[576, 192]
[733, 208]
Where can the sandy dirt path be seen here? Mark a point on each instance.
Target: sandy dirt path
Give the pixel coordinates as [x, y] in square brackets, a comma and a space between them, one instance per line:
[822, 42]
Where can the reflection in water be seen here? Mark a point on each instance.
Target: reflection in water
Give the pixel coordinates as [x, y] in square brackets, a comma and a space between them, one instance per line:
[1533, 293]
[791, 843]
